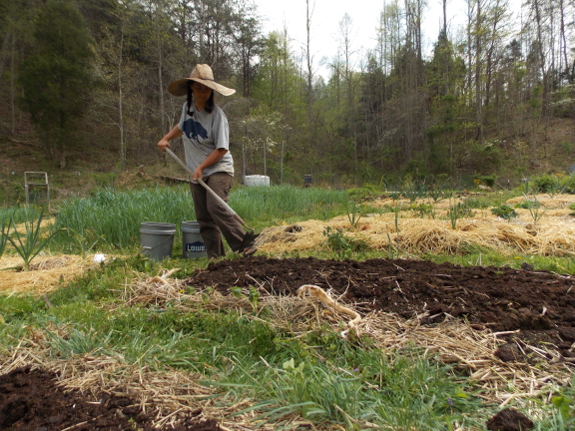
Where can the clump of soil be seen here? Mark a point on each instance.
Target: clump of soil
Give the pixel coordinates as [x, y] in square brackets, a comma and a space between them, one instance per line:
[509, 420]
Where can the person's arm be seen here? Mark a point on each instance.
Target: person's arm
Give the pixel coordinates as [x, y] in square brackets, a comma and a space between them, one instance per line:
[172, 134]
[214, 157]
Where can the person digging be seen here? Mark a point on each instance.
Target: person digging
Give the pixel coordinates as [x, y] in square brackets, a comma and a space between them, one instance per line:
[205, 132]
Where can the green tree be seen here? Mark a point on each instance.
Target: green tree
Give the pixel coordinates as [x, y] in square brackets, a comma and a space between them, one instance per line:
[57, 76]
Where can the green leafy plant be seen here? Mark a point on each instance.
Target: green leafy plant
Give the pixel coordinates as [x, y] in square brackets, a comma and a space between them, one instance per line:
[504, 211]
[254, 297]
[339, 243]
[29, 244]
[423, 210]
[237, 292]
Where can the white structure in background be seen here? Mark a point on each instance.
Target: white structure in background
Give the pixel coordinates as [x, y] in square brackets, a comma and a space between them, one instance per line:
[257, 180]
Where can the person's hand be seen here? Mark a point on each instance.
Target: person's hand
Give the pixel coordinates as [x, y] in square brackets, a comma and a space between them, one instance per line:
[163, 144]
[198, 174]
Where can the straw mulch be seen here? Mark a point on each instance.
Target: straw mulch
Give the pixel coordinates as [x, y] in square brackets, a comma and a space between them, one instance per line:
[167, 395]
[553, 234]
[46, 273]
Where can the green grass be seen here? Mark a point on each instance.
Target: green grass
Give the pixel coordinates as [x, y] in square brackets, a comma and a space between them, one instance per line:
[19, 214]
[264, 206]
[111, 219]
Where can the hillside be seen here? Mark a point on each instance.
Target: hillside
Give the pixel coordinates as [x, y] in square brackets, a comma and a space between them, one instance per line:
[94, 166]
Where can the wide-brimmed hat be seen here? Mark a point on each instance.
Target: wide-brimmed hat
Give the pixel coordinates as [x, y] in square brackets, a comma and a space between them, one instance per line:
[203, 74]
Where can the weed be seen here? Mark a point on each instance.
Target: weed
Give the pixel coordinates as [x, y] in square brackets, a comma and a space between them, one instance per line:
[505, 212]
[339, 243]
[254, 297]
[237, 292]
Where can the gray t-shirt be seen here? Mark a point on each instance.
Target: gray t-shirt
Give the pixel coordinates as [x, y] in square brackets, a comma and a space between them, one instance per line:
[202, 134]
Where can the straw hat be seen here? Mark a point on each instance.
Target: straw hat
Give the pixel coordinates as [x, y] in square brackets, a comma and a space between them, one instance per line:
[203, 74]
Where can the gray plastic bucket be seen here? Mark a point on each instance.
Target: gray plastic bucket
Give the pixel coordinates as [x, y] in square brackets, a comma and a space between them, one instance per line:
[157, 239]
[193, 246]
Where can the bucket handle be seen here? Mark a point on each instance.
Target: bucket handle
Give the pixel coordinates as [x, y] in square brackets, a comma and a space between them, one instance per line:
[147, 247]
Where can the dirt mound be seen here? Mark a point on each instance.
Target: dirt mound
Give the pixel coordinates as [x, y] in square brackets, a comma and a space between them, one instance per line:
[538, 304]
[509, 420]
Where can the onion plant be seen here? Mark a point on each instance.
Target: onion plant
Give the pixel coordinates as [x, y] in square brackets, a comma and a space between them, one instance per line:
[114, 218]
[354, 213]
[457, 211]
[534, 207]
[4, 224]
[29, 244]
[262, 205]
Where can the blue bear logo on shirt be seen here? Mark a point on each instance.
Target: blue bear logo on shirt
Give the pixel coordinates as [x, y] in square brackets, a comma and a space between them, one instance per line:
[193, 130]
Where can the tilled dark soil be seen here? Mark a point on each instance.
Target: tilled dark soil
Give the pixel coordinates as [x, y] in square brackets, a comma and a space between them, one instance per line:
[31, 400]
[539, 304]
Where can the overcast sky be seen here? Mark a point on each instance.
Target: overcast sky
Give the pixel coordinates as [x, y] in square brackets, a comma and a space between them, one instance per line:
[326, 18]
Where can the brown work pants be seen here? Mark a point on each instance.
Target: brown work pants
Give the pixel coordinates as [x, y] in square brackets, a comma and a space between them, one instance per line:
[213, 218]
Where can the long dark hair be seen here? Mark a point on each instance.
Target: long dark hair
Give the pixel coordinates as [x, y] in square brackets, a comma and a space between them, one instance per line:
[209, 104]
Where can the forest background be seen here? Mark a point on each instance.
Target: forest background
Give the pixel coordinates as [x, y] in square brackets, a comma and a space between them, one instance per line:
[84, 82]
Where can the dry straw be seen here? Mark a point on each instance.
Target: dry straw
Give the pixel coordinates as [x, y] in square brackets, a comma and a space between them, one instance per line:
[45, 274]
[552, 235]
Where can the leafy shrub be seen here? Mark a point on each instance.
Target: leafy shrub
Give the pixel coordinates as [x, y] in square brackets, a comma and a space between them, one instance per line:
[554, 184]
[342, 245]
[505, 212]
